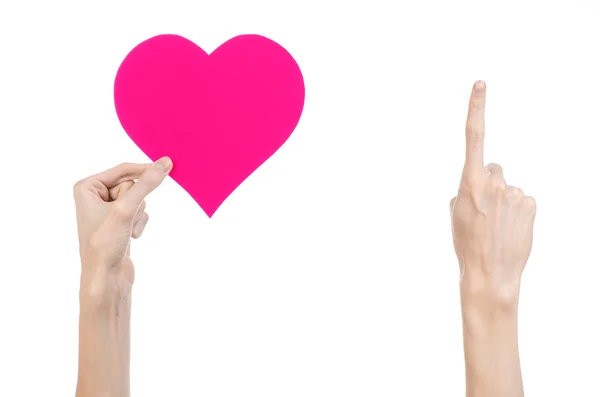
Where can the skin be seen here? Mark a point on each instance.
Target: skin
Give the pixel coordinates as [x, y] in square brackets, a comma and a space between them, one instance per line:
[110, 211]
[492, 229]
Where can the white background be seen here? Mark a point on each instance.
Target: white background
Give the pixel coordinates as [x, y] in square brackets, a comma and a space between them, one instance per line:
[330, 271]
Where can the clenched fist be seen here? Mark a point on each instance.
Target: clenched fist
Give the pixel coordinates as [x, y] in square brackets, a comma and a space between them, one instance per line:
[492, 222]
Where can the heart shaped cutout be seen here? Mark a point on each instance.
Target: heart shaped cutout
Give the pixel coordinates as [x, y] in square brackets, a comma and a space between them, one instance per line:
[219, 116]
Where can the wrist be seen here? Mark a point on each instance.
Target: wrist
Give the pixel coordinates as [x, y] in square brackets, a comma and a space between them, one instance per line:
[478, 292]
[100, 291]
[485, 320]
[487, 305]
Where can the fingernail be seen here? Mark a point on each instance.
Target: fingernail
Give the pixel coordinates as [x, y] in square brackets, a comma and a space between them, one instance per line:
[164, 165]
[480, 86]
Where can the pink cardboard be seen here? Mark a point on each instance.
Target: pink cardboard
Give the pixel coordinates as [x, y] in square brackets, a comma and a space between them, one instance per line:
[219, 116]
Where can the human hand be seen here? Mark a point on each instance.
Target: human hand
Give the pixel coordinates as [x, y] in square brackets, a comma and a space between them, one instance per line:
[492, 223]
[110, 210]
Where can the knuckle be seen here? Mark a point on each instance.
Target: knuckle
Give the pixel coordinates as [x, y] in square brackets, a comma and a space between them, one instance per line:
[500, 190]
[138, 228]
[452, 202]
[154, 176]
[125, 186]
[467, 185]
[494, 167]
[78, 186]
[474, 105]
[145, 179]
[498, 182]
[530, 202]
[515, 192]
[150, 180]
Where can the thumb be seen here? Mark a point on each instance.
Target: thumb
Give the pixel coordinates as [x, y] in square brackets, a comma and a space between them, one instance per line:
[147, 182]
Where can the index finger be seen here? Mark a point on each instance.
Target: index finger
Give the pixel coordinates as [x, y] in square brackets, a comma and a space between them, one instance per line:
[146, 184]
[475, 130]
[121, 173]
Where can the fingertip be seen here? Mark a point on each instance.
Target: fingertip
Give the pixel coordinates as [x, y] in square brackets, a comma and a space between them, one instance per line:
[164, 164]
[477, 100]
[479, 86]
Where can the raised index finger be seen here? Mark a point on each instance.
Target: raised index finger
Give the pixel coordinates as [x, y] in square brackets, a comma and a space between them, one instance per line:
[475, 130]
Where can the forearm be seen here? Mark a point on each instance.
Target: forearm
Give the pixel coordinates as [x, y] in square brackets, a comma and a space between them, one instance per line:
[104, 347]
[491, 350]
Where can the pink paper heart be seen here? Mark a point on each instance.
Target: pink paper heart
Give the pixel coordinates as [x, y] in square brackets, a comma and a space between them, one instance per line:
[219, 116]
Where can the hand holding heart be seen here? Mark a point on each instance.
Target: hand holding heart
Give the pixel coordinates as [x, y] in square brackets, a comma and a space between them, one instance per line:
[218, 117]
[110, 210]
[492, 222]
